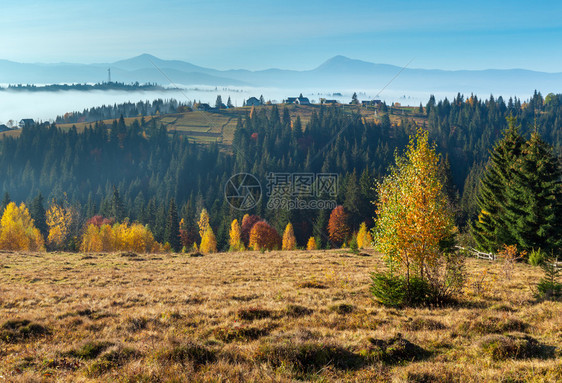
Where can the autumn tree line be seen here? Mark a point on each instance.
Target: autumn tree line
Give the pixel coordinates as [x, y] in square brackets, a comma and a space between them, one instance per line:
[35, 229]
[139, 174]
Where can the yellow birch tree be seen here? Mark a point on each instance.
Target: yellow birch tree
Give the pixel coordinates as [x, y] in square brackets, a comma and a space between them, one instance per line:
[414, 222]
[18, 231]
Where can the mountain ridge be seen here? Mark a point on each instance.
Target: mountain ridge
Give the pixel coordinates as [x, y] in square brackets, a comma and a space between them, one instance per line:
[336, 72]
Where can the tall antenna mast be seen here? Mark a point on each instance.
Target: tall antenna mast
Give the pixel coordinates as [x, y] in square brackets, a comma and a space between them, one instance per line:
[108, 75]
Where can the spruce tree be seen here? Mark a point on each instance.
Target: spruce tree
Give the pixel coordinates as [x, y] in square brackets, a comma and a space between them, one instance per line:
[160, 223]
[352, 200]
[117, 209]
[536, 218]
[218, 102]
[39, 215]
[491, 230]
[5, 201]
[172, 234]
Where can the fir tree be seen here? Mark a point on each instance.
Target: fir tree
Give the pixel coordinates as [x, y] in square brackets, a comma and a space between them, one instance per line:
[117, 209]
[39, 215]
[352, 201]
[172, 234]
[537, 198]
[5, 201]
[491, 230]
[218, 102]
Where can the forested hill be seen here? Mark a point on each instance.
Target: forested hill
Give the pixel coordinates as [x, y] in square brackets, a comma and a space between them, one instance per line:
[86, 87]
[150, 167]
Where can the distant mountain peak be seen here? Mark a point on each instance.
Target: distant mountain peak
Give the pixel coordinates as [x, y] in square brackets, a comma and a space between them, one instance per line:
[342, 63]
[337, 60]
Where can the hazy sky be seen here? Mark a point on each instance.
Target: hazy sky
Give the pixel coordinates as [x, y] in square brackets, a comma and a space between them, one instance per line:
[287, 34]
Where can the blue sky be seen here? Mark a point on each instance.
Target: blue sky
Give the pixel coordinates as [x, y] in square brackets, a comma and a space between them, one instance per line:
[288, 34]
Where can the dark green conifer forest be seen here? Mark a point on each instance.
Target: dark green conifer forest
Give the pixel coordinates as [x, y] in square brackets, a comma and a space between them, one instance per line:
[142, 172]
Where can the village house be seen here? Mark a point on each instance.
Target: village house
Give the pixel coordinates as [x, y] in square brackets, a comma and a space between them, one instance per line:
[26, 123]
[371, 103]
[253, 101]
[297, 100]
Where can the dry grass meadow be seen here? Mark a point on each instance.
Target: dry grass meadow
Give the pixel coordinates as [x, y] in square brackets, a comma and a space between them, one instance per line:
[252, 316]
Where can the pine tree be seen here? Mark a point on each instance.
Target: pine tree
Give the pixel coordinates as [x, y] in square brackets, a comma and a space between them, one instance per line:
[491, 230]
[160, 223]
[39, 215]
[352, 200]
[117, 209]
[536, 218]
[218, 102]
[172, 233]
[319, 228]
[5, 201]
[367, 197]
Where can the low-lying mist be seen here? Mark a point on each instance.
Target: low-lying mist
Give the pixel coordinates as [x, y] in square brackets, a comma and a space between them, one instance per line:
[46, 106]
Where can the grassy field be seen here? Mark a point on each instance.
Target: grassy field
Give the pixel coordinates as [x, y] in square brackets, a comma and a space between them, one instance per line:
[273, 316]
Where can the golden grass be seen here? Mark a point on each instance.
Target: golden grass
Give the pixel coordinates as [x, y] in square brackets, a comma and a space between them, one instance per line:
[252, 316]
[10, 133]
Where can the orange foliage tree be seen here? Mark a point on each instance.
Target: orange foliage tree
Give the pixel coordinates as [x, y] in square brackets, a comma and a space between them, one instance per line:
[248, 222]
[264, 237]
[289, 240]
[338, 230]
[188, 234]
[18, 231]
